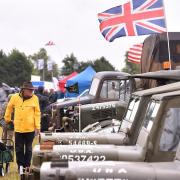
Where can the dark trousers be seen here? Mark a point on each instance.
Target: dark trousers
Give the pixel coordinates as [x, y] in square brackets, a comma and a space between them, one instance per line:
[44, 123]
[23, 147]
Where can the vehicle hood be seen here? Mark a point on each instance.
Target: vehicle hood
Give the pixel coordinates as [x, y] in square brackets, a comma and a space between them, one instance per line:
[73, 102]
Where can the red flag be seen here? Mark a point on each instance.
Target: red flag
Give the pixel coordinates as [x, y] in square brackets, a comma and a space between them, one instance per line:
[134, 53]
[50, 43]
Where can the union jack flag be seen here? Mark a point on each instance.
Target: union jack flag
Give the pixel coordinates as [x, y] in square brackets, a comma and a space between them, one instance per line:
[134, 18]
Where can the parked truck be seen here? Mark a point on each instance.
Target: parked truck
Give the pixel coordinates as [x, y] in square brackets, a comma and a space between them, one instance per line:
[99, 92]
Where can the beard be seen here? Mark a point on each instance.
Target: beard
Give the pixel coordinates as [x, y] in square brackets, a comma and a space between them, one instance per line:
[25, 96]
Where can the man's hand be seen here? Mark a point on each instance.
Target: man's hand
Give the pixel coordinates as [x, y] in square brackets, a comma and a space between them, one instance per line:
[37, 132]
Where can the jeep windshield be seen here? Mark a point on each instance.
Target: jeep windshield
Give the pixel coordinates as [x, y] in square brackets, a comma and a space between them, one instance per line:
[130, 114]
[94, 87]
[151, 113]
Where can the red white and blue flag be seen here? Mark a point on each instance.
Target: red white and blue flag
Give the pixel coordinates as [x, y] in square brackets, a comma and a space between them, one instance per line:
[134, 18]
[134, 53]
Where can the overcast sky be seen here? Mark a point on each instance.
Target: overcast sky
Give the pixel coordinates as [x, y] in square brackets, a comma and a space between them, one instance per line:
[71, 24]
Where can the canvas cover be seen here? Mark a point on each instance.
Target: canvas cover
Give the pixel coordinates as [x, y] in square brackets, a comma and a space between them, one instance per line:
[155, 52]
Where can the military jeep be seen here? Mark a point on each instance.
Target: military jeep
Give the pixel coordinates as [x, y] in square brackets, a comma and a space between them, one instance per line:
[112, 170]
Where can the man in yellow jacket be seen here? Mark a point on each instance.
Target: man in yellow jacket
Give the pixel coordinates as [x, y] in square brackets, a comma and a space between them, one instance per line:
[25, 106]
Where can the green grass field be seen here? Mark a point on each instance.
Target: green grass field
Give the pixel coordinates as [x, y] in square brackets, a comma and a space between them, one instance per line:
[13, 175]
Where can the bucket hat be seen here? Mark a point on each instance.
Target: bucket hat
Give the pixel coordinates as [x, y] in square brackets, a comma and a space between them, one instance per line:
[28, 85]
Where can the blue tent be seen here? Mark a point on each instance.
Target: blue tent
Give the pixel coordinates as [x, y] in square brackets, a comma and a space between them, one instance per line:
[83, 80]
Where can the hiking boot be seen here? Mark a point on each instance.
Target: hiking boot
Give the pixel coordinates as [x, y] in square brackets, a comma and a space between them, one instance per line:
[21, 170]
[27, 170]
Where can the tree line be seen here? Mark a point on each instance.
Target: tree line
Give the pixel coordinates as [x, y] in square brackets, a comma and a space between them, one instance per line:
[71, 64]
[16, 67]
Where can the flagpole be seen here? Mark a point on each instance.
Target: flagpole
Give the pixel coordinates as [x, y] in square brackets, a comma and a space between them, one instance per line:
[79, 115]
[167, 34]
[52, 74]
[51, 43]
[43, 74]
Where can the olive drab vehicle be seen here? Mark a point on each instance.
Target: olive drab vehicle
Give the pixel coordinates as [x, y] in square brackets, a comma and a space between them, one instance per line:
[132, 120]
[108, 126]
[100, 91]
[112, 170]
[155, 54]
[98, 112]
[150, 144]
